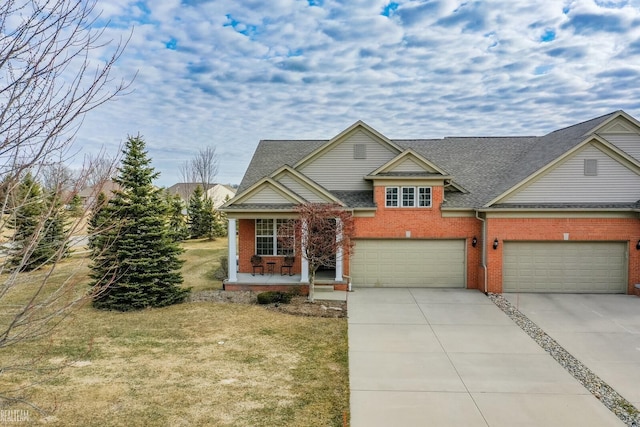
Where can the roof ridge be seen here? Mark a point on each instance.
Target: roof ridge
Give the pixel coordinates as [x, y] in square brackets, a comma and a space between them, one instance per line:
[595, 119]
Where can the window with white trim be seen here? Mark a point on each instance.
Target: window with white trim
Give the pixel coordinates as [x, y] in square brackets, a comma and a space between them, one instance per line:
[424, 197]
[267, 242]
[408, 197]
[392, 197]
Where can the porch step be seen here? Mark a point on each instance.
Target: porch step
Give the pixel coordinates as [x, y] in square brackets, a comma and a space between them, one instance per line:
[323, 288]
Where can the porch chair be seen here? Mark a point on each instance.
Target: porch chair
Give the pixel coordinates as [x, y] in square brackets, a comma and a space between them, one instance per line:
[287, 263]
[256, 263]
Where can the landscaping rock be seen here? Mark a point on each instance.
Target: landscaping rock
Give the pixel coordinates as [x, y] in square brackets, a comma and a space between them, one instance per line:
[299, 305]
[601, 390]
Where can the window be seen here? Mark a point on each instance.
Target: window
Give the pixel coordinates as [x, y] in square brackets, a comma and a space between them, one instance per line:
[590, 167]
[392, 197]
[424, 197]
[267, 242]
[408, 197]
[412, 197]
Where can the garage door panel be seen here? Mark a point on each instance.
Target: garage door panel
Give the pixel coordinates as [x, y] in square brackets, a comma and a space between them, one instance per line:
[595, 267]
[409, 263]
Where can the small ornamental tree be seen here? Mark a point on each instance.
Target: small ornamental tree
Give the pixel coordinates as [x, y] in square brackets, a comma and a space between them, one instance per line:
[323, 233]
[135, 259]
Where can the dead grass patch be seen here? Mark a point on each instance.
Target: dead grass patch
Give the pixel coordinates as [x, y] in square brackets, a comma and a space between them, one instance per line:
[192, 364]
[202, 258]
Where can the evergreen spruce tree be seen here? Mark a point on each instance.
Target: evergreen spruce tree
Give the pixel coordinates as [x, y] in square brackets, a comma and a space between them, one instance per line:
[197, 225]
[54, 243]
[208, 219]
[39, 227]
[102, 232]
[177, 223]
[135, 259]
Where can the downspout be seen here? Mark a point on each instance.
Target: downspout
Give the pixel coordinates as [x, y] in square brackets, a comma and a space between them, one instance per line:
[484, 251]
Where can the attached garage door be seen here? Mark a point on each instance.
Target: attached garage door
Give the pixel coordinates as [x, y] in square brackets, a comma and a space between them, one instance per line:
[597, 267]
[409, 263]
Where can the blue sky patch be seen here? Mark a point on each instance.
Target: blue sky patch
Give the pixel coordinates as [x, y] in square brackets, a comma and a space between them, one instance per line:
[390, 9]
[244, 29]
[587, 23]
[548, 36]
[612, 4]
[172, 44]
[542, 69]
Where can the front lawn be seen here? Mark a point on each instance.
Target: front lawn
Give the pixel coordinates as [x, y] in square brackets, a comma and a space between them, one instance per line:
[198, 364]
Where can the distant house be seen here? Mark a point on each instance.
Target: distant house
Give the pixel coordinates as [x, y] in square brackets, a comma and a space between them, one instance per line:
[552, 213]
[88, 195]
[219, 193]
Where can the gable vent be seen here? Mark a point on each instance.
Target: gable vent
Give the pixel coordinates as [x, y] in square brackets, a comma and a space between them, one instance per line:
[590, 167]
[359, 151]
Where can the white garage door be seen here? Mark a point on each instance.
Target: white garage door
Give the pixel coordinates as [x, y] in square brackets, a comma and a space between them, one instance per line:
[409, 263]
[597, 267]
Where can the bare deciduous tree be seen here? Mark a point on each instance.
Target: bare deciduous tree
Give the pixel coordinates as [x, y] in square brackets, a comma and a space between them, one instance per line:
[205, 166]
[201, 169]
[57, 177]
[100, 168]
[47, 83]
[188, 178]
[321, 234]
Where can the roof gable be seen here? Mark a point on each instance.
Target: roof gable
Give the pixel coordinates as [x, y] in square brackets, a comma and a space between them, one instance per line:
[343, 162]
[358, 126]
[303, 186]
[617, 122]
[617, 178]
[266, 191]
[408, 162]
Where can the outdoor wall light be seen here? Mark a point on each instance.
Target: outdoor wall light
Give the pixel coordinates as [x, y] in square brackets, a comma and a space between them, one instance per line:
[474, 241]
[638, 245]
[495, 243]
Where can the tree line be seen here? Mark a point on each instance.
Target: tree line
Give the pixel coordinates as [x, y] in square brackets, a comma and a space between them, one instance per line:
[133, 232]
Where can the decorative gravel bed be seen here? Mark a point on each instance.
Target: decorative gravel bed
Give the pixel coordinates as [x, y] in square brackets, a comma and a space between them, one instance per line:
[601, 390]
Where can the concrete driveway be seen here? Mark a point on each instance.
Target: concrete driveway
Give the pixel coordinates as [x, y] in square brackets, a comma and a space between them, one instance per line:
[431, 357]
[602, 331]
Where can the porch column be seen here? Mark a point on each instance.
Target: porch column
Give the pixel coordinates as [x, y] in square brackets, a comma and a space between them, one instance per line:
[338, 250]
[233, 272]
[304, 272]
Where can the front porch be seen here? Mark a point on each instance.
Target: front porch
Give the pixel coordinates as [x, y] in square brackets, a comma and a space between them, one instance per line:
[325, 284]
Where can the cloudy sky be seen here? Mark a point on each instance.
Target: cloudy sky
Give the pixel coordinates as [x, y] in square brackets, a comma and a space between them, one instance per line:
[228, 73]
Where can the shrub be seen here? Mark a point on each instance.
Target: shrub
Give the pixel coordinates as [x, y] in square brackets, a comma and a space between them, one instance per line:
[271, 297]
[222, 272]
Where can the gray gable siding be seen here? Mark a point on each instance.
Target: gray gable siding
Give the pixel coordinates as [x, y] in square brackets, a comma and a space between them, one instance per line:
[266, 195]
[294, 185]
[336, 169]
[627, 142]
[566, 183]
[409, 165]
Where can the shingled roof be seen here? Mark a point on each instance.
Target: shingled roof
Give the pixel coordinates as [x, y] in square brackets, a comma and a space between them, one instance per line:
[484, 166]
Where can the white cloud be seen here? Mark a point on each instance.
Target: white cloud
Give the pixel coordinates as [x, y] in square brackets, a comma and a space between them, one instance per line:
[243, 70]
